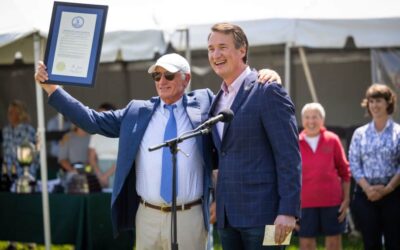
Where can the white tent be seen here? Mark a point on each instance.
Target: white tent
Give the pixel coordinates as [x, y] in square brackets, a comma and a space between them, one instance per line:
[308, 23]
[135, 30]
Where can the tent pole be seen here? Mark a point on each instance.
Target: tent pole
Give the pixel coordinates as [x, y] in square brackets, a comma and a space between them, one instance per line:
[42, 148]
[188, 54]
[287, 67]
[307, 72]
[376, 74]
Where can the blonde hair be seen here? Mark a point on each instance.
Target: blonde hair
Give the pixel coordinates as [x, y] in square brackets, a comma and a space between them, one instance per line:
[23, 116]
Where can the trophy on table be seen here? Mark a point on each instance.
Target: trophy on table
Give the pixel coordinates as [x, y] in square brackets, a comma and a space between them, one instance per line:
[25, 154]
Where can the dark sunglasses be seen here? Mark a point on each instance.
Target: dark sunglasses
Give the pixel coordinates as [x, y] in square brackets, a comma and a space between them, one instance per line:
[167, 75]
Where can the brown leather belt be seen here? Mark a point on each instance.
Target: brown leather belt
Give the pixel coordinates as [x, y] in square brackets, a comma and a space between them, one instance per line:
[169, 208]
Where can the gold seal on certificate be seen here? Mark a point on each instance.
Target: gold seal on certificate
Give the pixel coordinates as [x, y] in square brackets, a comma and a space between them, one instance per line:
[60, 66]
[74, 44]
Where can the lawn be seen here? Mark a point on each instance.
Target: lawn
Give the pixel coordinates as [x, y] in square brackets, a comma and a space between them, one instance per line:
[349, 243]
[21, 246]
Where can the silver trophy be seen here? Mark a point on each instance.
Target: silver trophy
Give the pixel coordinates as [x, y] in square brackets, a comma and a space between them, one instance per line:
[25, 154]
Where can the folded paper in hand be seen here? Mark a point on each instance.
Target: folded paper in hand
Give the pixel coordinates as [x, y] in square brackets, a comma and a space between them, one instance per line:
[269, 237]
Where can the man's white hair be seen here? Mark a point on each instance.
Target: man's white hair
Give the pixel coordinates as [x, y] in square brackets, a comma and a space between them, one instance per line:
[314, 106]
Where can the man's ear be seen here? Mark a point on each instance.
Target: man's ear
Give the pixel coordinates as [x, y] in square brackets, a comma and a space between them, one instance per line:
[186, 78]
[243, 51]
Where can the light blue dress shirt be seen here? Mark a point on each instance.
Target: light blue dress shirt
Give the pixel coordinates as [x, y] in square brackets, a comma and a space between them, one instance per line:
[148, 164]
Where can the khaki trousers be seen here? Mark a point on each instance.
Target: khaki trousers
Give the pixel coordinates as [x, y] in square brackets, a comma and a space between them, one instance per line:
[153, 229]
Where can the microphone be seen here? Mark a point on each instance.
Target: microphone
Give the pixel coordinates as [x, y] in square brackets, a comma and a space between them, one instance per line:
[225, 115]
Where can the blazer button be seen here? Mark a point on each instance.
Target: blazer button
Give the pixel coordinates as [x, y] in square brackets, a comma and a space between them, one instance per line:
[223, 153]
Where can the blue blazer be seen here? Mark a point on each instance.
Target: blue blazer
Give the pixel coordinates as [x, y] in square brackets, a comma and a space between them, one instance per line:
[129, 124]
[259, 158]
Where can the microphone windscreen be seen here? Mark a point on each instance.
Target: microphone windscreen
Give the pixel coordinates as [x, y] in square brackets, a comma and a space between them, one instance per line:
[227, 114]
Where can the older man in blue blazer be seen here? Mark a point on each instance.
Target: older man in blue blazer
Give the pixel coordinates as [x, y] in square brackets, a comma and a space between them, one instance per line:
[136, 197]
[259, 159]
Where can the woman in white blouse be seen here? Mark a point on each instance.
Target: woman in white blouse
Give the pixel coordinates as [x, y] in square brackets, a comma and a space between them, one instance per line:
[375, 165]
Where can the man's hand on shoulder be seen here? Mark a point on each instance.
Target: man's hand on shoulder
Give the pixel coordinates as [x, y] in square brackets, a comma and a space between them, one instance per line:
[268, 76]
[41, 76]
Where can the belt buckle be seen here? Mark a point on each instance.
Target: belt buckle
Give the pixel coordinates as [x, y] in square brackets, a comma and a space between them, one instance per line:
[164, 207]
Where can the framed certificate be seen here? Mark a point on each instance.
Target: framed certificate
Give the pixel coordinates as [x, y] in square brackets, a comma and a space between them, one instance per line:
[74, 43]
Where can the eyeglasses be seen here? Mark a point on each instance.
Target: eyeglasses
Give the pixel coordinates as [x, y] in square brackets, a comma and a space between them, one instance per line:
[167, 75]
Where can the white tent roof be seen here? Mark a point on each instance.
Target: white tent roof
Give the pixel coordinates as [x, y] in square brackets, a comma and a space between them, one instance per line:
[310, 23]
[136, 29]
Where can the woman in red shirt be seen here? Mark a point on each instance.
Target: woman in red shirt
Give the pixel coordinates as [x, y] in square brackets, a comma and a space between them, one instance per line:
[325, 194]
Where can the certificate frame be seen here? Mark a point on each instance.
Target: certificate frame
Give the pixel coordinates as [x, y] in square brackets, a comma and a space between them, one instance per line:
[74, 43]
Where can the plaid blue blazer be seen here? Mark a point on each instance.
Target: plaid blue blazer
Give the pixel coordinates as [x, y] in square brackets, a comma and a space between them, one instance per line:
[259, 159]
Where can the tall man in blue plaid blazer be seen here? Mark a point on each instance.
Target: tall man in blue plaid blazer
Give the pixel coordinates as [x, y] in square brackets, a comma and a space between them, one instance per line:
[259, 160]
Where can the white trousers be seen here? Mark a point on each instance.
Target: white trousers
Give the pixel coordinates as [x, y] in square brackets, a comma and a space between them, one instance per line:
[153, 229]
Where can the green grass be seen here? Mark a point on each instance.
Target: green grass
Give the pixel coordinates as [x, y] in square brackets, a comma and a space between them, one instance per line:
[23, 246]
[349, 243]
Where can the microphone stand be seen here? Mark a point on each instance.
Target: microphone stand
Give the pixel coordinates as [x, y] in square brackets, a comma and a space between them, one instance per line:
[173, 147]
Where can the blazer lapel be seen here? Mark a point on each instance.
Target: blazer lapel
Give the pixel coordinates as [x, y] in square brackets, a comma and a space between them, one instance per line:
[192, 107]
[214, 131]
[144, 117]
[140, 120]
[240, 97]
[214, 103]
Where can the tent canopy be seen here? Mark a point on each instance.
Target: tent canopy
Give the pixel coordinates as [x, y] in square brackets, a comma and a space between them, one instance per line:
[136, 30]
[309, 23]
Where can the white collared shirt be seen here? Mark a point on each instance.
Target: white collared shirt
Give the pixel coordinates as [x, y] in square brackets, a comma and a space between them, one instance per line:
[148, 164]
[312, 142]
[228, 96]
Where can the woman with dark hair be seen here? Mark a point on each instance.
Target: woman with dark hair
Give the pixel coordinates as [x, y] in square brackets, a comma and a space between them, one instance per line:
[374, 162]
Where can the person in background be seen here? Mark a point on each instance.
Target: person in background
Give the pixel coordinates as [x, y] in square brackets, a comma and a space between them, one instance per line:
[74, 147]
[375, 165]
[258, 180]
[103, 153]
[57, 123]
[325, 193]
[15, 133]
